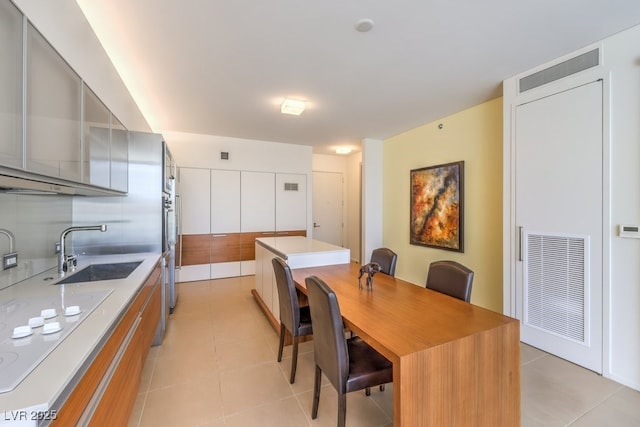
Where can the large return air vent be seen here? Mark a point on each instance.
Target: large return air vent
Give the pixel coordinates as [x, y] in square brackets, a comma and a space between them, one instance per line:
[556, 282]
[561, 70]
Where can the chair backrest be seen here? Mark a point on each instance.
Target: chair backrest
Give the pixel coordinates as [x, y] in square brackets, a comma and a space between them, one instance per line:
[387, 260]
[287, 296]
[329, 344]
[451, 278]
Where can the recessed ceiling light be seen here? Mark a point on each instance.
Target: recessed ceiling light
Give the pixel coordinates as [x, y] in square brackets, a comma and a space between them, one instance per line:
[343, 150]
[364, 25]
[292, 106]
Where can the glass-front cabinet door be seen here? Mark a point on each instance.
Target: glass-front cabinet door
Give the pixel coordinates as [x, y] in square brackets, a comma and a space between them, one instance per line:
[10, 85]
[119, 155]
[97, 140]
[54, 93]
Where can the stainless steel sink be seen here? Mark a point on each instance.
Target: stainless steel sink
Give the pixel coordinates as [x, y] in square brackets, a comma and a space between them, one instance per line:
[97, 272]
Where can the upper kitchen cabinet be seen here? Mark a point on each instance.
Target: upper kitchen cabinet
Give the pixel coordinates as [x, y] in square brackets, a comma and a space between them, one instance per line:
[105, 145]
[11, 61]
[119, 155]
[97, 140]
[54, 93]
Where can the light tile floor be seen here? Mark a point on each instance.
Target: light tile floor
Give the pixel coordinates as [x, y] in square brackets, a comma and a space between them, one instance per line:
[217, 366]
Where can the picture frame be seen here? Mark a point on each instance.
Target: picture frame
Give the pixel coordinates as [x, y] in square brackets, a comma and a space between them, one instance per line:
[437, 206]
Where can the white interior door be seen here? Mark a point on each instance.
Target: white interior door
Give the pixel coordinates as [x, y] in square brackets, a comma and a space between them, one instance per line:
[559, 203]
[327, 207]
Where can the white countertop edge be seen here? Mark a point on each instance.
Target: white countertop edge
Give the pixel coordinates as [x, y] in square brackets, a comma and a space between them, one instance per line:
[298, 245]
[43, 386]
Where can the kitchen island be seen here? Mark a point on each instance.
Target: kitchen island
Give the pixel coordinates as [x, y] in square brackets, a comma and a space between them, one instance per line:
[44, 393]
[297, 252]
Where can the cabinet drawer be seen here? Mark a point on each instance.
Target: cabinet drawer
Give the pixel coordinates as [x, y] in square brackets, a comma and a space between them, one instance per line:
[248, 243]
[225, 247]
[196, 249]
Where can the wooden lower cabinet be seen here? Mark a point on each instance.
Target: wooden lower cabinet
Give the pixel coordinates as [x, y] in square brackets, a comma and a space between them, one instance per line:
[107, 391]
[196, 249]
[220, 250]
[225, 247]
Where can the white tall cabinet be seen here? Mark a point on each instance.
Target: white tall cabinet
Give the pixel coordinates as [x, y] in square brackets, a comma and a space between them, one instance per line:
[290, 200]
[195, 222]
[225, 223]
[258, 211]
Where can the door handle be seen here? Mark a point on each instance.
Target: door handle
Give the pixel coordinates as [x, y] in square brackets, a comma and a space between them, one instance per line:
[520, 249]
[315, 225]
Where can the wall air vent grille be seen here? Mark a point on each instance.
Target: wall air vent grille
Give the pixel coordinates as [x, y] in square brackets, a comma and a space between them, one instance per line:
[290, 186]
[571, 66]
[555, 284]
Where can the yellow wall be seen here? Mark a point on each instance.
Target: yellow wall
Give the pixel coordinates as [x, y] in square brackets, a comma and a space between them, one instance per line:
[475, 136]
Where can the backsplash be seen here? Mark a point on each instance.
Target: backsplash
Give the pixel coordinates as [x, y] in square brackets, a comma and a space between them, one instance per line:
[36, 221]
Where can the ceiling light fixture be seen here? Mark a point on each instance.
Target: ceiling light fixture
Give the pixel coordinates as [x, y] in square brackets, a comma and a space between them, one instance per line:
[343, 150]
[292, 106]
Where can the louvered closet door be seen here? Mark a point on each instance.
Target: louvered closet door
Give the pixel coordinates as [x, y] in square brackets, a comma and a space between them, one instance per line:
[559, 202]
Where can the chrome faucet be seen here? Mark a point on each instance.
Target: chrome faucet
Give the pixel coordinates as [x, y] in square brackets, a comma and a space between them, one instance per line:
[10, 259]
[10, 236]
[65, 261]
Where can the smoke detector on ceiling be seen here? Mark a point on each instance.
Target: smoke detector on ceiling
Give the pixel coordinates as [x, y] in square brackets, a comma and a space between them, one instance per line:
[364, 25]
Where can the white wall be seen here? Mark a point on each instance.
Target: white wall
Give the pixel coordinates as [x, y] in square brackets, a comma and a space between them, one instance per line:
[353, 202]
[371, 197]
[622, 59]
[620, 71]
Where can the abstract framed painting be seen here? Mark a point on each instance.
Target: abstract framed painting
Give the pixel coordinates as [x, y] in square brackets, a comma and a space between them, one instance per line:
[437, 206]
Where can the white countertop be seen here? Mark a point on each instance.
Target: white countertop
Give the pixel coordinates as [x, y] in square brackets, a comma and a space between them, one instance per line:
[297, 245]
[53, 375]
[301, 252]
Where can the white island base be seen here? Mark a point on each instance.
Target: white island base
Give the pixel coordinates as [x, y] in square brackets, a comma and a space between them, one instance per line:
[297, 252]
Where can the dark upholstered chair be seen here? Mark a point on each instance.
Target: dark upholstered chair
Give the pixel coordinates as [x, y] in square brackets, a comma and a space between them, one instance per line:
[349, 364]
[451, 278]
[387, 260]
[293, 318]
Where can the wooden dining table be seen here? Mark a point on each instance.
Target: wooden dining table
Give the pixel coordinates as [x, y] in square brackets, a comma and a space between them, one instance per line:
[454, 363]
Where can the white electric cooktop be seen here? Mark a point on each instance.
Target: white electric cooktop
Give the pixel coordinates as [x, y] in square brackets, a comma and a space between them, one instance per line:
[31, 328]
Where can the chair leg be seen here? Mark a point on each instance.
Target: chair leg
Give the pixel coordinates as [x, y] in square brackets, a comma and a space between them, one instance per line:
[281, 344]
[316, 392]
[342, 410]
[381, 387]
[367, 391]
[294, 360]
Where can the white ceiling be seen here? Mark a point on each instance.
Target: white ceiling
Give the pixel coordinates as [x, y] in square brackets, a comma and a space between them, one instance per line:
[223, 67]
